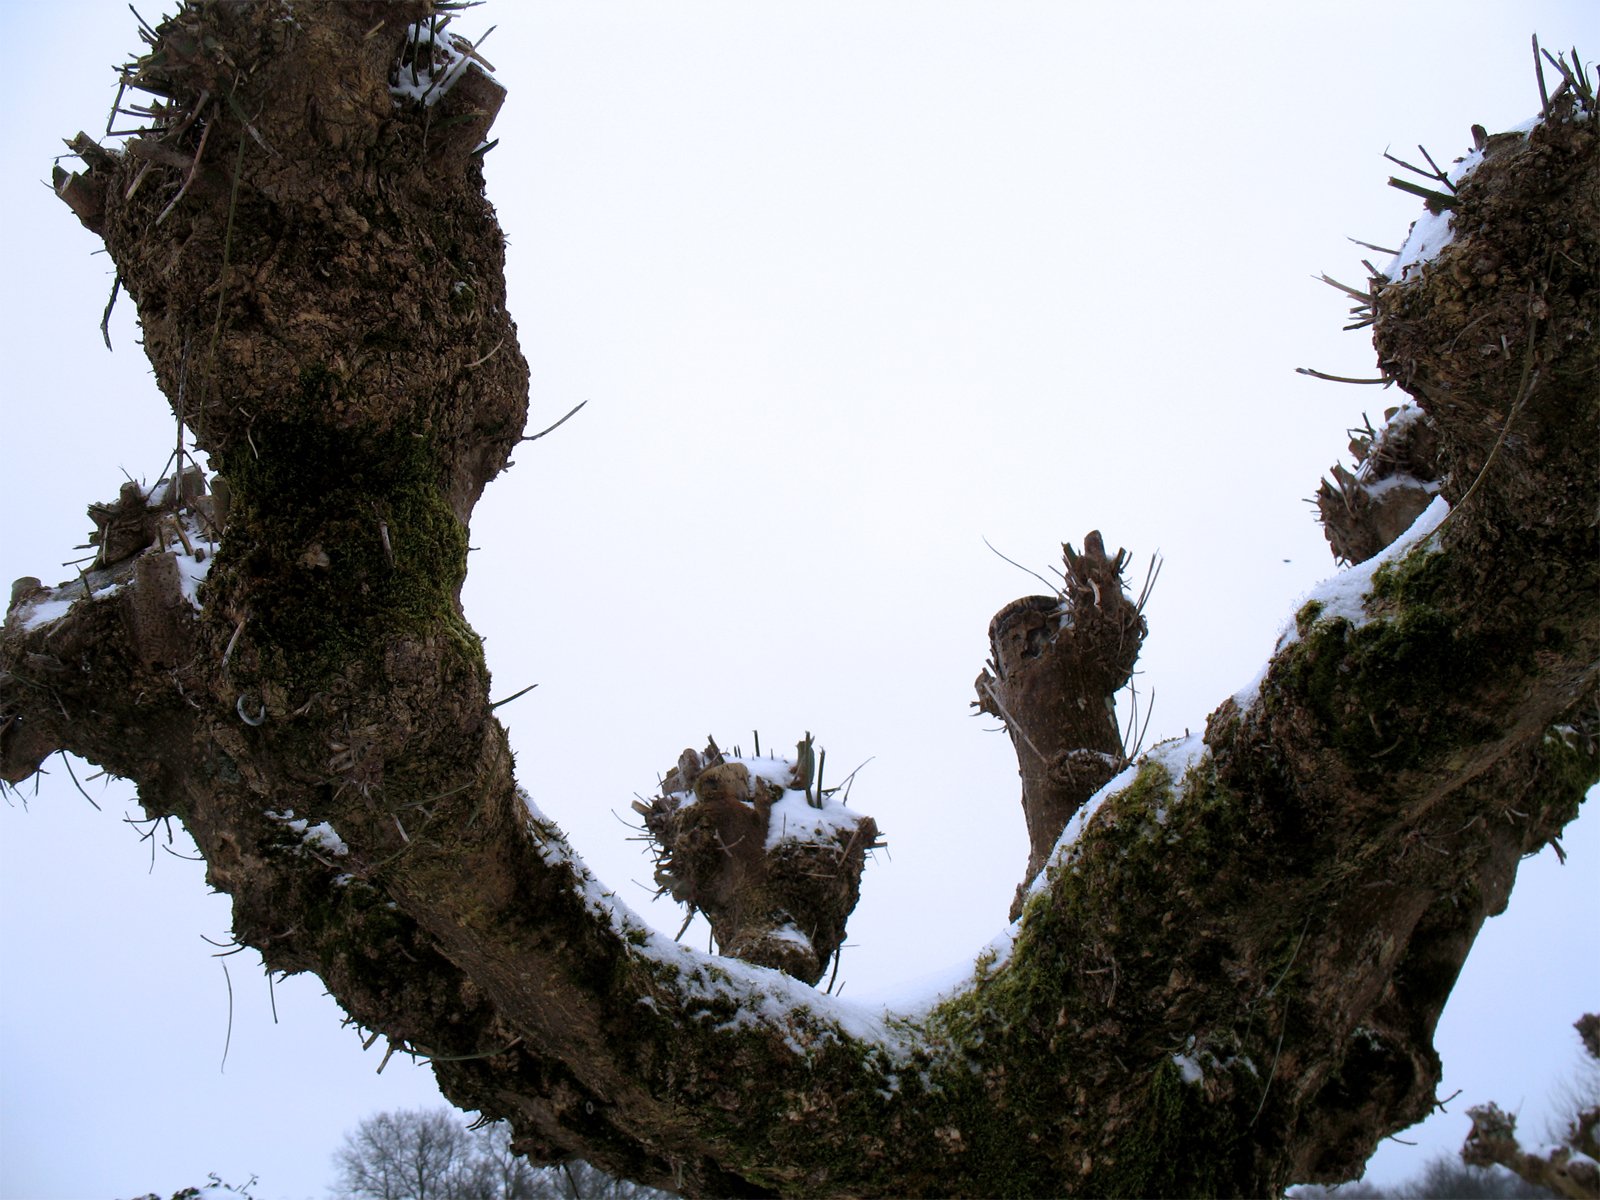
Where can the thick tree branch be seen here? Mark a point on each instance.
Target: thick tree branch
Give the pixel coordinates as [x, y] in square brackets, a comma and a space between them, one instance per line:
[1226, 981]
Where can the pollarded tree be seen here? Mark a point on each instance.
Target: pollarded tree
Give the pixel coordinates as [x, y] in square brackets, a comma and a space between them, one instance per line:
[1228, 976]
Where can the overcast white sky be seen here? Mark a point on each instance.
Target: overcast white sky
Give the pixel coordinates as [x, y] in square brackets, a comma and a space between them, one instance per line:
[849, 288]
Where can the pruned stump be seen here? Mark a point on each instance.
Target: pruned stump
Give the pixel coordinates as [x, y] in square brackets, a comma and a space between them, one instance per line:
[772, 861]
[1056, 664]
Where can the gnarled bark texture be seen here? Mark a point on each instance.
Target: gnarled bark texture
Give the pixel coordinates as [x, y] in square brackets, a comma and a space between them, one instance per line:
[1057, 663]
[1228, 981]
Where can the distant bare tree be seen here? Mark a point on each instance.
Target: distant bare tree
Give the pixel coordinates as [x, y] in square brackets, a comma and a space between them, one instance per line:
[410, 1154]
[584, 1181]
[1445, 1177]
[495, 1171]
[418, 1154]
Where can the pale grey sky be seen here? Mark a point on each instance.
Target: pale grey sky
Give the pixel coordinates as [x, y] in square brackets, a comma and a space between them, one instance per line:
[849, 288]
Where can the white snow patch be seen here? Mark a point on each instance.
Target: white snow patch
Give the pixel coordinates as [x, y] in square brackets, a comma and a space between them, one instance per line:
[319, 836]
[194, 565]
[53, 605]
[1177, 755]
[790, 933]
[1345, 594]
[322, 836]
[1432, 232]
[449, 63]
[1389, 482]
[733, 993]
[1190, 1067]
[1405, 416]
[793, 819]
[914, 998]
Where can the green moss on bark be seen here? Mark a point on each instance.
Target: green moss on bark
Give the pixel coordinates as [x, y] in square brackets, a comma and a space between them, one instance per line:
[339, 542]
[1181, 1144]
[1387, 689]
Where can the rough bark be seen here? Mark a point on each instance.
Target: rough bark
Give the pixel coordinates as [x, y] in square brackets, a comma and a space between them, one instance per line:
[1057, 664]
[1396, 477]
[1228, 981]
[776, 881]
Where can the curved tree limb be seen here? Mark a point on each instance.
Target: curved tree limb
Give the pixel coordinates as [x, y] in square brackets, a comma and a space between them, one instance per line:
[1225, 979]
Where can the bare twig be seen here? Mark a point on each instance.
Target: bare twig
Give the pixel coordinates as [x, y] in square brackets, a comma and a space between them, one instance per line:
[535, 437]
[1053, 589]
[1011, 724]
[1365, 297]
[1339, 378]
[1538, 70]
[1437, 201]
[1370, 246]
[228, 1040]
[105, 317]
[68, 763]
[496, 704]
[478, 362]
[194, 169]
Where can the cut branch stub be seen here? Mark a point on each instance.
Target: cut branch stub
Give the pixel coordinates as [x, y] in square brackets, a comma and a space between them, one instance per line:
[139, 594]
[777, 873]
[1396, 477]
[1057, 663]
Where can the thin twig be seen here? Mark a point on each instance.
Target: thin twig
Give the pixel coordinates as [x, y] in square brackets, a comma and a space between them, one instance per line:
[553, 428]
[511, 1045]
[1437, 201]
[1012, 725]
[1284, 1027]
[105, 317]
[1524, 388]
[478, 362]
[1538, 69]
[1439, 174]
[512, 697]
[1339, 378]
[75, 782]
[1053, 589]
[194, 170]
[1364, 297]
[222, 1067]
[1370, 246]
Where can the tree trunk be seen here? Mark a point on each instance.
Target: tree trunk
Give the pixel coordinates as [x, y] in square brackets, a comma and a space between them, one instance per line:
[1226, 981]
